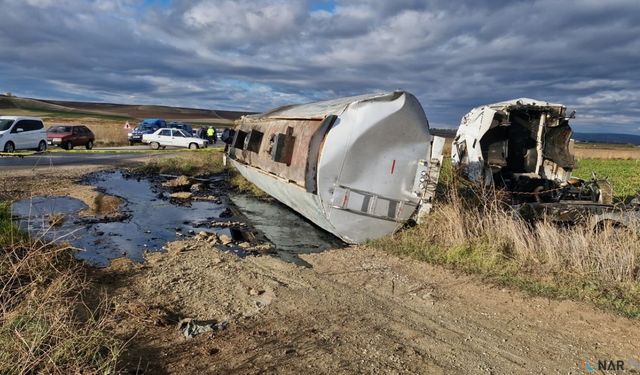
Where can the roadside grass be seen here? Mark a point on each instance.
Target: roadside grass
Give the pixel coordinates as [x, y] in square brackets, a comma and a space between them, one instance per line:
[192, 163]
[47, 325]
[148, 150]
[242, 185]
[9, 233]
[475, 233]
[624, 175]
[56, 150]
[201, 162]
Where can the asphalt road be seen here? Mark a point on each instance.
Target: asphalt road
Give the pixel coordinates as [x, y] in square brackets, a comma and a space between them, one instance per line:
[67, 159]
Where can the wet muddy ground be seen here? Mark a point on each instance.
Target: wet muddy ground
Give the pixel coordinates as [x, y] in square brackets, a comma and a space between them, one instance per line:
[356, 310]
[150, 217]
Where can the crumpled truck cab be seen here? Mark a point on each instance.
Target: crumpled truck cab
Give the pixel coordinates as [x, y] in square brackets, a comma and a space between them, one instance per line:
[523, 145]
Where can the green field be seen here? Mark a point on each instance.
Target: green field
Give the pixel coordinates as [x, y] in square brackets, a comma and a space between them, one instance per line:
[624, 175]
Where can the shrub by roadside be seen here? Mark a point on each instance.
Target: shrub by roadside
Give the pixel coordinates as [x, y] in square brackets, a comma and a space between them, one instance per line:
[46, 323]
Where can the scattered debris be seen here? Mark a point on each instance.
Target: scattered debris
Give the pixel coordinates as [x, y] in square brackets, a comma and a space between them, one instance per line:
[181, 195]
[196, 188]
[265, 248]
[255, 292]
[211, 238]
[226, 213]
[227, 224]
[225, 239]
[56, 219]
[179, 182]
[191, 327]
[210, 198]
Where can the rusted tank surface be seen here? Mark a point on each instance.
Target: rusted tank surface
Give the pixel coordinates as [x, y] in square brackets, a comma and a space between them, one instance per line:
[357, 167]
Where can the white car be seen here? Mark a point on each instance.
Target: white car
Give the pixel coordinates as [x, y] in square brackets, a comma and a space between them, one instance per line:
[22, 133]
[172, 137]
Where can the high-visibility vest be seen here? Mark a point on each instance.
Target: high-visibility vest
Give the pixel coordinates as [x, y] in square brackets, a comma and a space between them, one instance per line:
[210, 132]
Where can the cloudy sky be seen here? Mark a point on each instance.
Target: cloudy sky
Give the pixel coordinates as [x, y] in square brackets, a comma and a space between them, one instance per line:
[255, 55]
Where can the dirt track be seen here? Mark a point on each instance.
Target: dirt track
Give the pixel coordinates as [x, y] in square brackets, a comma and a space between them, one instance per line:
[356, 311]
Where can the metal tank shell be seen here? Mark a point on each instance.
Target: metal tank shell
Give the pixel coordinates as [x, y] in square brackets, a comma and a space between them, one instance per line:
[352, 165]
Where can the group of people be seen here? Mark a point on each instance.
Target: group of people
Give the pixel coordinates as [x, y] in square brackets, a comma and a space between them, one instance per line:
[208, 133]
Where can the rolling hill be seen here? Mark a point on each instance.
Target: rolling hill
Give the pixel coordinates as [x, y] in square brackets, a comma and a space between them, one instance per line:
[614, 138]
[13, 104]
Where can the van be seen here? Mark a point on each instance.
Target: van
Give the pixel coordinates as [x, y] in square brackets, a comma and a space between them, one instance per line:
[22, 133]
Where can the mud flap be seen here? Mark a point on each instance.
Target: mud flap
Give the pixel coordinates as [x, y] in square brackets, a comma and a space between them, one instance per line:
[427, 177]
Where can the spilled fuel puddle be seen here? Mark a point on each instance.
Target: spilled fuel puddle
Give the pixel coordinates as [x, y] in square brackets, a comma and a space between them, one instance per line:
[149, 220]
[291, 233]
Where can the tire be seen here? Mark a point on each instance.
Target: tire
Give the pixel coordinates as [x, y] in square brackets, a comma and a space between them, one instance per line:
[193, 146]
[68, 145]
[131, 143]
[42, 146]
[154, 145]
[9, 147]
[89, 145]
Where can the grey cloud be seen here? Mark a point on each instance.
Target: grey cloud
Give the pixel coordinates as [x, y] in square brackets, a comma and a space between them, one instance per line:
[256, 55]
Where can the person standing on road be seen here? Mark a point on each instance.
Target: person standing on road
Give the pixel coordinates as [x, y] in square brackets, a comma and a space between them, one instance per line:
[210, 135]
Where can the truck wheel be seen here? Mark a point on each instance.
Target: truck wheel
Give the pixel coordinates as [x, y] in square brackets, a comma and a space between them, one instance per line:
[155, 145]
[9, 147]
[89, 145]
[42, 146]
[193, 146]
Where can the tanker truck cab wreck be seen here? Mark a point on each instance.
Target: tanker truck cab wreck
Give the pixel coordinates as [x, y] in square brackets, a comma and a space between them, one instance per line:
[358, 167]
[521, 145]
[524, 147]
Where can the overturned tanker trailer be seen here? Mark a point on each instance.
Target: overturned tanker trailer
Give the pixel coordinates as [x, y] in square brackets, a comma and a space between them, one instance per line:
[524, 147]
[358, 167]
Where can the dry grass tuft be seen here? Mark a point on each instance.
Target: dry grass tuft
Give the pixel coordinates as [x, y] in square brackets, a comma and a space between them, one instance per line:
[242, 185]
[46, 326]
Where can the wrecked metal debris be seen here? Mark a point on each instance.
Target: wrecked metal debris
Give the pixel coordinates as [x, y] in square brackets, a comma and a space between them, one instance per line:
[191, 327]
[521, 144]
[524, 147]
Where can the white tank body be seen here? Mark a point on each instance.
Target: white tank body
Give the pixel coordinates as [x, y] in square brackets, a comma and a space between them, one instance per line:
[350, 165]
